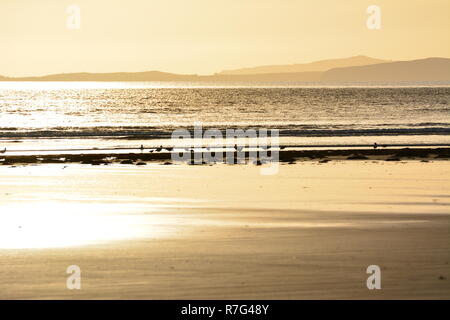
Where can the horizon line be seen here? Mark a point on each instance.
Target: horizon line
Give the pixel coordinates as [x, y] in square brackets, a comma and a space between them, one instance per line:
[219, 72]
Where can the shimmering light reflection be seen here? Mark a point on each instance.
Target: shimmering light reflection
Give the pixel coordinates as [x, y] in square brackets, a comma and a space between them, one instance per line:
[56, 224]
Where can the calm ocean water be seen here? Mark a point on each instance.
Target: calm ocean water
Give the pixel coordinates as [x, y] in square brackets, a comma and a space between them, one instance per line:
[110, 111]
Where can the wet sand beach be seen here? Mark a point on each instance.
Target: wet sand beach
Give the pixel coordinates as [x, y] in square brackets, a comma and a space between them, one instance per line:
[226, 232]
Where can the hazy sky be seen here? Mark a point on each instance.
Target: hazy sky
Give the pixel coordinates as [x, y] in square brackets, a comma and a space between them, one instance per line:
[205, 36]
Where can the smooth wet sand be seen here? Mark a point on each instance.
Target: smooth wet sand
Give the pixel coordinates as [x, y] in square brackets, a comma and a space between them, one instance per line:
[226, 232]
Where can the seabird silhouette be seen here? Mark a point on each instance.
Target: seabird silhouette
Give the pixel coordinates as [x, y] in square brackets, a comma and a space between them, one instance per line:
[375, 145]
[3, 151]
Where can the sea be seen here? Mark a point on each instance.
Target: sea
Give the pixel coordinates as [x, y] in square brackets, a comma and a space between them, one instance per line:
[55, 116]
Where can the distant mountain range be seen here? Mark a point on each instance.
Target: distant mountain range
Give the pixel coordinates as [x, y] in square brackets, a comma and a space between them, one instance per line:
[431, 69]
[322, 65]
[354, 69]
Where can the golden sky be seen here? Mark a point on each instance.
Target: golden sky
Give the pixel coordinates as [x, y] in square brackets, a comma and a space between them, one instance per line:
[206, 36]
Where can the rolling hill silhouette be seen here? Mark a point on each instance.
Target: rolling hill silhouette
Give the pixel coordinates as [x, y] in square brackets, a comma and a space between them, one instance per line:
[322, 65]
[422, 70]
[430, 69]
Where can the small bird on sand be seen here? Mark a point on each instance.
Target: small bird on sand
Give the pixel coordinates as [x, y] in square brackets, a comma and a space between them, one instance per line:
[375, 145]
[3, 151]
[142, 147]
[238, 148]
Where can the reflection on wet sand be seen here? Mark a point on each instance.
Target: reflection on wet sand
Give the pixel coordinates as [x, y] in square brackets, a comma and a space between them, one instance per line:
[193, 232]
[39, 224]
